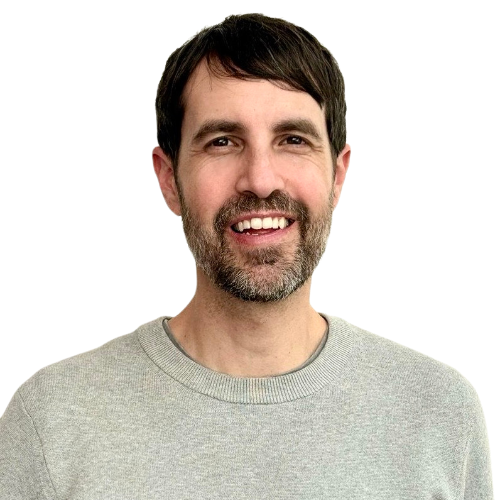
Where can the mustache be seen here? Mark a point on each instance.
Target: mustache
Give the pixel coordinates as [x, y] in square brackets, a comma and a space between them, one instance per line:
[277, 201]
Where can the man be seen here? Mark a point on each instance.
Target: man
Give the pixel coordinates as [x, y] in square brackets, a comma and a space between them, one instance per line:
[248, 393]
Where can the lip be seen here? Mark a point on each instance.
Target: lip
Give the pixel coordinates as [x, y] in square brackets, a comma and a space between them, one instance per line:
[265, 236]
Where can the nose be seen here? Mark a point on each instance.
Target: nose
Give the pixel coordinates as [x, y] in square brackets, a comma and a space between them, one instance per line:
[260, 173]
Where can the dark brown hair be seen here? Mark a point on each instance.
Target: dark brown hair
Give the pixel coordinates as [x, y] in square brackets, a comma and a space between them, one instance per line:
[253, 46]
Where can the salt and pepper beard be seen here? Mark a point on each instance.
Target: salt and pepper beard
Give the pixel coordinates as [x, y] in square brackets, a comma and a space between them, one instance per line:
[267, 274]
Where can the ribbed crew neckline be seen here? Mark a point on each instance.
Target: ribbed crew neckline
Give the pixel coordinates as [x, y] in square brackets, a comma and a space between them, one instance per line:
[330, 365]
[313, 356]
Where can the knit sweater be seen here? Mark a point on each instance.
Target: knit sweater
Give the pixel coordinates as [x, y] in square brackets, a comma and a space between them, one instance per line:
[137, 419]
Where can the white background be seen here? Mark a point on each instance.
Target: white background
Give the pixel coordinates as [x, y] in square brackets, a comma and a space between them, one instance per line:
[89, 250]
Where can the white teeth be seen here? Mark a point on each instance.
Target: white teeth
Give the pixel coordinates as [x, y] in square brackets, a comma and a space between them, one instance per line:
[267, 223]
[256, 223]
[262, 223]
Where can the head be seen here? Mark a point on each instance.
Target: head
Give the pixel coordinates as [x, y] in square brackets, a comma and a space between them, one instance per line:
[251, 125]
[253, 46]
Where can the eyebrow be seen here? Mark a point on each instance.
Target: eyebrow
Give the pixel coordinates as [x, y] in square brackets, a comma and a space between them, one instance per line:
[217, 126]
[300, 125]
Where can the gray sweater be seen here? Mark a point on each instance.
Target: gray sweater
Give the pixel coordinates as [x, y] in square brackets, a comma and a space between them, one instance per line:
[137, 419]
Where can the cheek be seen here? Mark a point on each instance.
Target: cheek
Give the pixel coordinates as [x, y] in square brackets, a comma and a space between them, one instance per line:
[204, 197]
[313, 190]
[309, 179]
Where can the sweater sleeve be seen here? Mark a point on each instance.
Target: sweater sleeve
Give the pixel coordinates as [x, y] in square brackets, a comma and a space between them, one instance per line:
[477, 480]
[23, 471]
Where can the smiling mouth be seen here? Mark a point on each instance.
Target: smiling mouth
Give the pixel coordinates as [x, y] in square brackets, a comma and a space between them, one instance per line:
[258, 223]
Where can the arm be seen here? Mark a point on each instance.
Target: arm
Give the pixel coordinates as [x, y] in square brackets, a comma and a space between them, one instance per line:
[477, 481]
[23, 471]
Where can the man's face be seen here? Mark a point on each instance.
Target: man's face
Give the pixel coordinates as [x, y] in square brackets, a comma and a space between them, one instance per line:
[255, 184]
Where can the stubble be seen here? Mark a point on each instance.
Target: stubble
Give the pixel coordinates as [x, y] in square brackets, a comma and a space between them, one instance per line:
[261, 274]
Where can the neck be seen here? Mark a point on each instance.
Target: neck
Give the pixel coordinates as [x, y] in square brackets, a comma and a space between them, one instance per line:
[248, 339]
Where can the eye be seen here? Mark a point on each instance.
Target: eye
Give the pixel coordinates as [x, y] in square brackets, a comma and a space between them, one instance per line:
[294, 140]
[222, 145]
[220, 142]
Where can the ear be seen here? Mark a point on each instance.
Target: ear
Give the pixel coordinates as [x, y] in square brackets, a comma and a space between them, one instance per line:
[164, 170]
[340, 172]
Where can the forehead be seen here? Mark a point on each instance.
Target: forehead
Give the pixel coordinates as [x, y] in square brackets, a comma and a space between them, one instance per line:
[252, 102]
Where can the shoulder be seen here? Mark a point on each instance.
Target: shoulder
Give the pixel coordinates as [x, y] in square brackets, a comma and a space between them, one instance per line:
[112, 364]
[409, 378]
